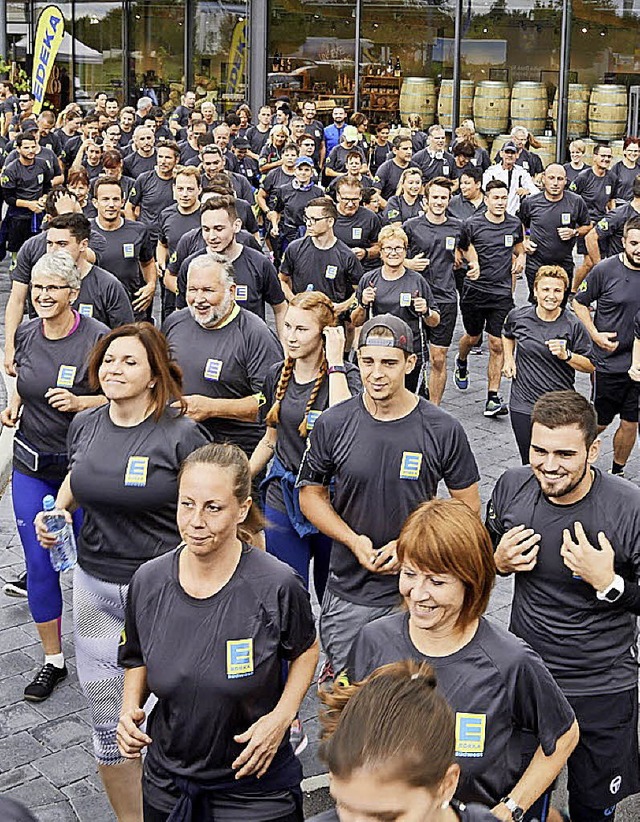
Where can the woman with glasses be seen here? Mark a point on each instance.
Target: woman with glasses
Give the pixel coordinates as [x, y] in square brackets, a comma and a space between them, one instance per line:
[395, 289]
[626, 170]
[407, 201]
[51, 357]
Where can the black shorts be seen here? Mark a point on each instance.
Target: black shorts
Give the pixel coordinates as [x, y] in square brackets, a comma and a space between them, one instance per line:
[615, 394]
[486, 316]
[19, 231]
[442, 334]
[605, 766]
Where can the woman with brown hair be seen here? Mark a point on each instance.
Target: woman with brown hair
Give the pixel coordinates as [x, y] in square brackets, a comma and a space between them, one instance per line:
[124, 459]
[312, 378]
[389, 742]
[207, 629]
[514, 728]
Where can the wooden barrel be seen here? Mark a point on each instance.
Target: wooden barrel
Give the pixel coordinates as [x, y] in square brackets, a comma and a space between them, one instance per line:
[616, 150]
[491, 106]
[529, 106]
[547, 150]
[578, 110]
[607, 112]
[418, 96]
[445, 102]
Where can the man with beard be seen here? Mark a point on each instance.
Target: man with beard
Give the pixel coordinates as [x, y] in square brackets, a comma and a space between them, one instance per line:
[143, 156]
[571, 536]
[614, 284]
[224, 352]
[153, 190]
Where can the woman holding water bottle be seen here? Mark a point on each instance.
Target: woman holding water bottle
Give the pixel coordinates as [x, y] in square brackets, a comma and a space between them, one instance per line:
[544, 346]
[395, 289]
[124, 460]
[52, 385]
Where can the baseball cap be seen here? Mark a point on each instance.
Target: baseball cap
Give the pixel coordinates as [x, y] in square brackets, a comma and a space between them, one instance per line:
[402, 336]
[304, 161]
[510, 146]
[29, 125]
[350, 134]
[241, 142]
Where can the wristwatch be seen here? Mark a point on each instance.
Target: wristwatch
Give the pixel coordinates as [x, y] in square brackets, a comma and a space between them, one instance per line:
[337, 369]
[613, 592]
[517, 814]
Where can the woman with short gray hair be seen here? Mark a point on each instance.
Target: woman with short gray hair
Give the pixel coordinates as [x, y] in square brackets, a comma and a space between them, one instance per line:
[52, 386]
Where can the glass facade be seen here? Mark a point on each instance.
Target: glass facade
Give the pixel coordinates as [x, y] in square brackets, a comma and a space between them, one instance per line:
[386, 59]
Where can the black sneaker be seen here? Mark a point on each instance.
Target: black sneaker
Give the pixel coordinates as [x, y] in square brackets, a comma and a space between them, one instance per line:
[44, 682]
[16, 587]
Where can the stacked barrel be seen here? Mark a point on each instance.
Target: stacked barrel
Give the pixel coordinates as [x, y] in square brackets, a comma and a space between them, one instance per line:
[597, 114]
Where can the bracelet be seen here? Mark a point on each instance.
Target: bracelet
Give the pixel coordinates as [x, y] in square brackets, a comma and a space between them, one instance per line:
[569, 355]
[337, 369]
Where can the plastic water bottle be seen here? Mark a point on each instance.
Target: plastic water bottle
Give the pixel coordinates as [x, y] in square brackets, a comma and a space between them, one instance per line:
[63, 555]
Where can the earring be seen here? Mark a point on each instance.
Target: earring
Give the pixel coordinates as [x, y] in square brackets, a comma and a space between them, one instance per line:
[445, 805]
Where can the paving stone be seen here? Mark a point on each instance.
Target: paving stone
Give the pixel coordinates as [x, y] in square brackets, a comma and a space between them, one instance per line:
[18, 750]
[12, 639]
[66, 766]
[36, 793]
[12, 689]
[14, 662]
[81, 789]
[57, 812]
[93, 809]
[19, 717]
[65, 700]
[15, 615]
[60, 734]
[18, 776]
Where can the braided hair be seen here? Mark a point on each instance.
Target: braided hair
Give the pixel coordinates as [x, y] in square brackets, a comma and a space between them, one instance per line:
[323, 310]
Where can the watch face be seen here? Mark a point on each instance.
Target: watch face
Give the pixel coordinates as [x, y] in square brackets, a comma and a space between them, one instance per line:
[517, 815]
[612, 595]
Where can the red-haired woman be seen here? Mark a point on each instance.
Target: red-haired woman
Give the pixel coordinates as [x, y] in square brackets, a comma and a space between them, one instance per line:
[124, 459]
[313, 377]
[514, 728]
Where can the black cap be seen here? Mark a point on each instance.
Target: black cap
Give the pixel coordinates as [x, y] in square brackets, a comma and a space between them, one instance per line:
[241, 142]
[402, 335]
[29, 125]
[510, 146]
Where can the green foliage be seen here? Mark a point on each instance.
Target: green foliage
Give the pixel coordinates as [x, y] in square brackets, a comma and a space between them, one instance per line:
[18, 76]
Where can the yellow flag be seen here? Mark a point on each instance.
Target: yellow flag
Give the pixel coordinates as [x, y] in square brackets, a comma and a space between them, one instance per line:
[49, 35]
[237, 56]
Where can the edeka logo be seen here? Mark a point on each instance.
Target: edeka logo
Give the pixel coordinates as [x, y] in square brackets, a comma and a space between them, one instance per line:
[136, 474]
[237, 57]
[470, 734]
[48, 39]
[239, 658]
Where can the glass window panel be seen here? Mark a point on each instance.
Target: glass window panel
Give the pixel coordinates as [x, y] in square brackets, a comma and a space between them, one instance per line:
[98, 33]
[157, 50]
[311, 53]
[220, 53]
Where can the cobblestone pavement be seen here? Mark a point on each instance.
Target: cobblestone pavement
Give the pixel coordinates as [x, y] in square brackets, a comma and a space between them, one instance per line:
[45, 749]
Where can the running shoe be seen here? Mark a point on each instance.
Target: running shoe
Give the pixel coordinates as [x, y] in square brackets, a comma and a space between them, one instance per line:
[495, 408]
[477, 350]
[297, 737]
[44, 682]
[16, 587]
[461, 376]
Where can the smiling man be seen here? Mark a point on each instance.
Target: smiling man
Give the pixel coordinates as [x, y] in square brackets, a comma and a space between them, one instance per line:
[224, 352]
[571, 535]
[386, 451]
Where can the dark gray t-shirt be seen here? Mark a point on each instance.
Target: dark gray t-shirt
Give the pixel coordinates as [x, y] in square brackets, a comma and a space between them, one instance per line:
[396, 297]
[494, 243]
[360, 231]
[228, 362]
[126, 481]
[388, 176]
[505, 700]
[465, 813]
[103, 297]
[334, 271]
[382, 471]
[193, 241]
[438, 243]
[537, 369]
[595, 191]
[293, 408]
[43, 364]
[588, 645]
[152, 194]
[615, 288]
[126, 248]
[544, 217]
[173, 225]
[227, 676]
[609, 229]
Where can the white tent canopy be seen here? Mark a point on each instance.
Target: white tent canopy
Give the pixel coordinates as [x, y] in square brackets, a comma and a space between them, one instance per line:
[83, 53]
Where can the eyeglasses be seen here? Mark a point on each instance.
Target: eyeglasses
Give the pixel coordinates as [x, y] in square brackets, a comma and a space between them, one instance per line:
[312, 220]
[22, 100]
[606, 156]
[349, 199]
[397, 249]
[48, 289]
